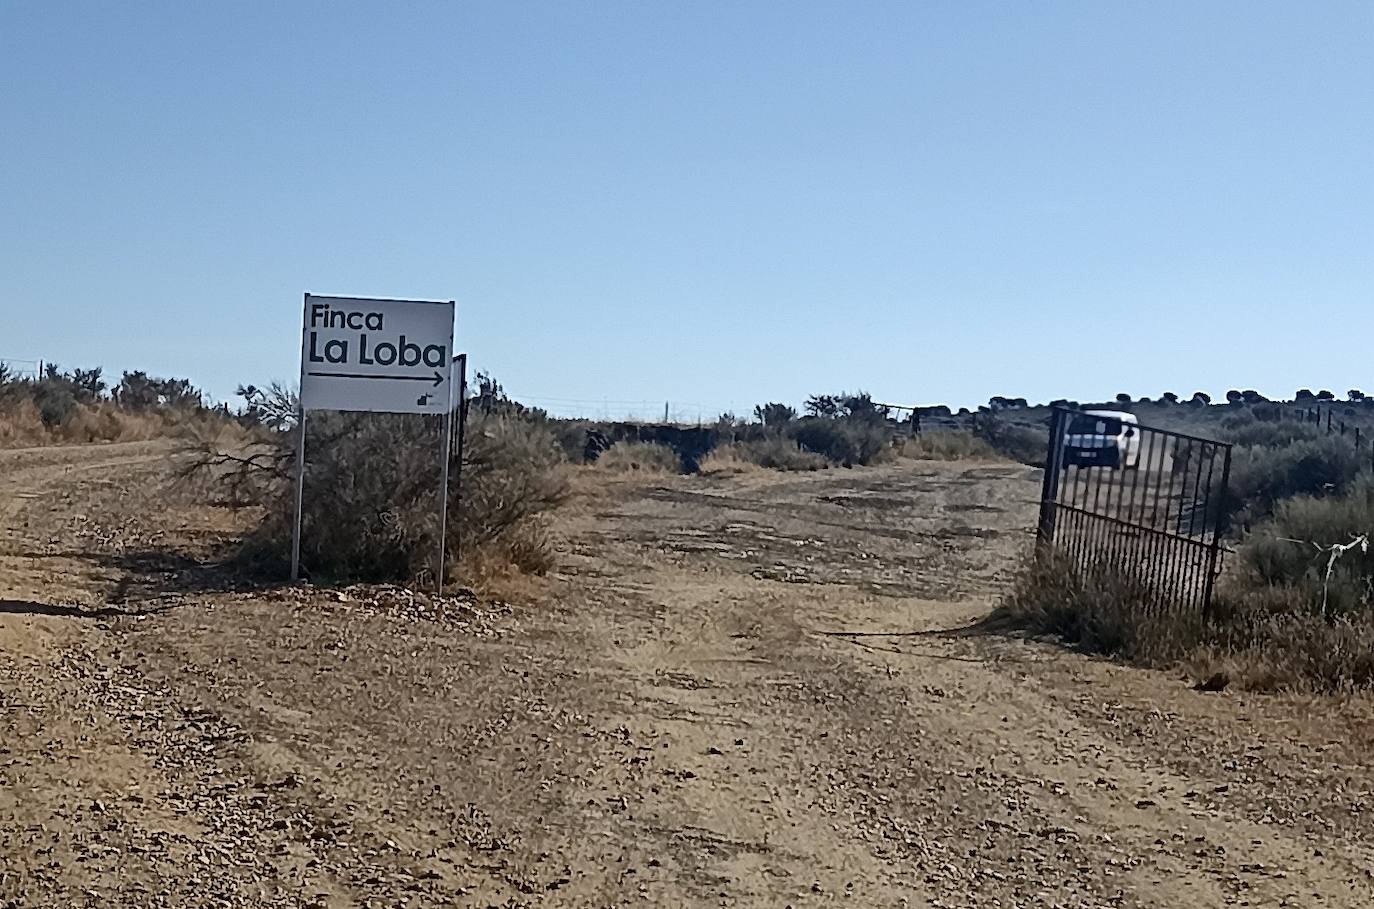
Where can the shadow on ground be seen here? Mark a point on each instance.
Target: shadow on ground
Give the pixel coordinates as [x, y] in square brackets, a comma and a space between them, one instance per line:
[62, 610]
[153, 573]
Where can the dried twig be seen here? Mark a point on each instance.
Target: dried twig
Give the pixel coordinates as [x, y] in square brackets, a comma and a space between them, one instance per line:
[1333, 552]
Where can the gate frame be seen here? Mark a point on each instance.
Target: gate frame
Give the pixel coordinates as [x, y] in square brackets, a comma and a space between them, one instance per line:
[1050, 494]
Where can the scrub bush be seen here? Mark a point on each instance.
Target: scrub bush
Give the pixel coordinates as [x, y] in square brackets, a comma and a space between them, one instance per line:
[846, 441]
[647, 457]
[947, 446]
[372, 480]
[1263, 475]
[1026, 444]
[773, 453]
[1277, 621]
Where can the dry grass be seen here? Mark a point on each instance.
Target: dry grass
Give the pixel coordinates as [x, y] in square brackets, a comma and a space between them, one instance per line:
[1272, 639]
[22, 426]
[1103, 612]
[947, 446]
[644, 457]
[509, 567]
[772, 453]
[729, 460]
[1257, 638]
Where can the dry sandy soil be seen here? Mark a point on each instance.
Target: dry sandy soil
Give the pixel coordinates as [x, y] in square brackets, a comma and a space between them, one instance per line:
[738, 691]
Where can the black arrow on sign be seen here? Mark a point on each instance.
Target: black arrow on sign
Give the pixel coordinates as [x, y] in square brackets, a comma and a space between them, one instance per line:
[436, 381]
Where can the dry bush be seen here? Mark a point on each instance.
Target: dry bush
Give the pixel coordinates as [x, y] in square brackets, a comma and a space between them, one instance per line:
[233, 465]
[372, 480]
[1271, 639]
[571, 437]
[1258, 428]
[72, 408]
[513, 477]
[1260, 637]
[1279, 621]
[957, 445]
[105, 422]
[728, 460]
[1102, 611]
[22, 424]
[775, 452]
[646, 457]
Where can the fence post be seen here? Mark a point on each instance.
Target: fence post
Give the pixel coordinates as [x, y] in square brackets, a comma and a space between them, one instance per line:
[1214, 551]
[1049, 492]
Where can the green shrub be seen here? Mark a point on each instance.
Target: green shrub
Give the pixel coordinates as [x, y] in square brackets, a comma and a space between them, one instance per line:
[1291, 550]
[1262, 475]
[1250, 430]
[55, 400]
[1026, 444]
[844, 441]
[774, 415]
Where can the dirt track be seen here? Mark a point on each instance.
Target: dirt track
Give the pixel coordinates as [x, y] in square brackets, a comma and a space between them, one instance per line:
[745, 691]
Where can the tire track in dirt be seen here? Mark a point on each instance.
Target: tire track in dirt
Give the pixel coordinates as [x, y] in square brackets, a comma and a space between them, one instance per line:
[928, 769]
[35, 493]
[739, 691]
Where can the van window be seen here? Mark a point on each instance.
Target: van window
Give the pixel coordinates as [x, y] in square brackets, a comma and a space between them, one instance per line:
[1084, 425]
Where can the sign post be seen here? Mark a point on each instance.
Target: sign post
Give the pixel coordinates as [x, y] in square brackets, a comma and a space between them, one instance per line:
[461, 362]
[376, 356]
[443, 486]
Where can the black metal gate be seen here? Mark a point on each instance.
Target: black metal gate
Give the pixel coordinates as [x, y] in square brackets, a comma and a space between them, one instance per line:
[1136, 501]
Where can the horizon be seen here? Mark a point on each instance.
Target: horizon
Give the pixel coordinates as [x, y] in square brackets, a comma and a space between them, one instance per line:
[647, 411]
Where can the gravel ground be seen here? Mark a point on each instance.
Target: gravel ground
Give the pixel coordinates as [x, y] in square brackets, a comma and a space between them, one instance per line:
[756, 690]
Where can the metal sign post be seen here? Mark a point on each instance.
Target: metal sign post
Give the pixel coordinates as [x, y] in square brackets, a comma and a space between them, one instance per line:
[376, 356]
[462, 362]
[300, 497]
[443, 483]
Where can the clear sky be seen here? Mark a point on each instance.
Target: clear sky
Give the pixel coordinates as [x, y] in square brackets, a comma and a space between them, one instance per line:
[713, 204]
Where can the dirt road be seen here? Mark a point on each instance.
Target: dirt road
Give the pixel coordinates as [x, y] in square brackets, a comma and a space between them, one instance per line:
[752, 691]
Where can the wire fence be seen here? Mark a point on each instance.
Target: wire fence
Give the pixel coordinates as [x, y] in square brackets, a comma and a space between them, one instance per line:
[631, 411]
[20, 368]
[682, 413]
[1359, 432]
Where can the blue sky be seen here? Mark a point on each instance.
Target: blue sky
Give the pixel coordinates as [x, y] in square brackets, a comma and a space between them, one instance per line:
[713, 204]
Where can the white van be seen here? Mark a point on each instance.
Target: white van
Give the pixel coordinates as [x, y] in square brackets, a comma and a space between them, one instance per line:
[1103, 438]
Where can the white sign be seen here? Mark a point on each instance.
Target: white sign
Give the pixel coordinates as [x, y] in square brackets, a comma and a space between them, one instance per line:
[388, 356]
